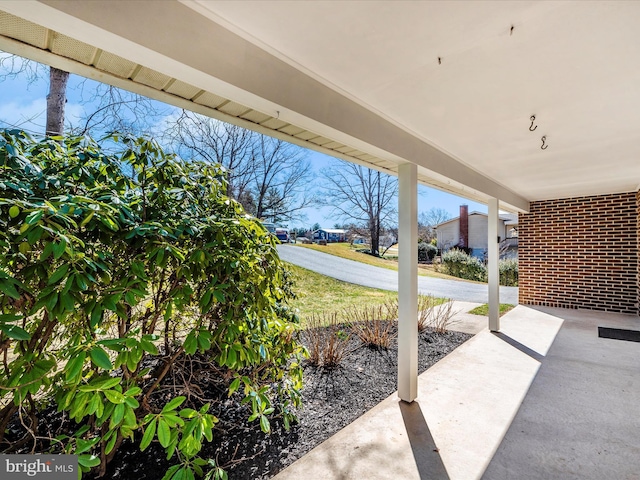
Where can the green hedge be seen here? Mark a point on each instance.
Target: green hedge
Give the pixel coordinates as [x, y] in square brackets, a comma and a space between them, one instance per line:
[426, 251]
[508, 272]
[459, 264]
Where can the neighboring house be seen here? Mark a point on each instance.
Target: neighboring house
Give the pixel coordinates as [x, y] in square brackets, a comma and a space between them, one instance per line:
[388, 240]
[470, 230]
[331, 235]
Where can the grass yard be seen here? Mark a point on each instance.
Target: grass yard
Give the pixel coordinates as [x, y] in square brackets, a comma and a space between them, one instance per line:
[317, 293]
[345, 250]
[484, 309]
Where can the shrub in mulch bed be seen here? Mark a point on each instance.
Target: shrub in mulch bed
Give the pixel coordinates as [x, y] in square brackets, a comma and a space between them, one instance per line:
[332, 398]
[109, 255]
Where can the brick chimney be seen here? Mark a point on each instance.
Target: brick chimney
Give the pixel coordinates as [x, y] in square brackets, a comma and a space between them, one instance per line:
[464, 227]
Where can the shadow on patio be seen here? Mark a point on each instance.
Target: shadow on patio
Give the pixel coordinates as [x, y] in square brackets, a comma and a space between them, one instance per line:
[544, 398]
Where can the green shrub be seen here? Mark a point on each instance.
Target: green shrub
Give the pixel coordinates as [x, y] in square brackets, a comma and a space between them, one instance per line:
[462, 265]
[426, 251]
[508, 272]
[107, 260]
[459, 264]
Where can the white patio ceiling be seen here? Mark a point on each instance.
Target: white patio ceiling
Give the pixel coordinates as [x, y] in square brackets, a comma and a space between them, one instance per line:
[449, 86]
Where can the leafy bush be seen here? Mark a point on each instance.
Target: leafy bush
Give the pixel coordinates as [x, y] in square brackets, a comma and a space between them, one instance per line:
[108, 261]
[459, 264]
[426, 251]
[508, 272]
[462, 265]
[327, 340]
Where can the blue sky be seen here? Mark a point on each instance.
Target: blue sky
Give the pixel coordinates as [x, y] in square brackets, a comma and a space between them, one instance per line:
[23, 104]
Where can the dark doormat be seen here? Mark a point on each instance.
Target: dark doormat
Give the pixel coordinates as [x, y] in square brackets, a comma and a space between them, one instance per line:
[619, 334]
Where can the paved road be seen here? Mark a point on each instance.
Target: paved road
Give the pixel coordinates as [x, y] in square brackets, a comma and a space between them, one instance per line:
[376, 277]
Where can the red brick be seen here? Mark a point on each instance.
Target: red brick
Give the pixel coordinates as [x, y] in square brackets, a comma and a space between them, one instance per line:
[581, 253]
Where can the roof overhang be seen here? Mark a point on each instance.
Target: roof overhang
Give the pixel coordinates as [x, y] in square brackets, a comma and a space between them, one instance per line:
[199, 65]
[448, 86]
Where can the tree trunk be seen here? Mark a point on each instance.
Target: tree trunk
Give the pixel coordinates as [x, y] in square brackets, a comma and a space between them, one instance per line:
[374, 232]
[56, 101]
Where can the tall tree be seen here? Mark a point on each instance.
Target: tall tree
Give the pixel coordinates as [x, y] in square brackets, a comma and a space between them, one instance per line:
[197, 136]
[268, 176]
[359, 194]
[282, 175]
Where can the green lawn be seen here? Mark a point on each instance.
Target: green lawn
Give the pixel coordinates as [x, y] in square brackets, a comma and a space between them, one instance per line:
[317, 293]
[349, 252]
[484, 309]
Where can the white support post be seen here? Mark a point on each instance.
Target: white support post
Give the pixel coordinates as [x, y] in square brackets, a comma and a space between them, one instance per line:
[408, 282]
[493, 272]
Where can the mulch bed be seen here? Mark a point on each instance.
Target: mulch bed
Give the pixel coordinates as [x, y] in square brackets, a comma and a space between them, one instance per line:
[332, 398]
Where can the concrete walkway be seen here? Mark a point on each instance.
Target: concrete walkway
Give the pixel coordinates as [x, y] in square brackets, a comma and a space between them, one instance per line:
[385, 279]
[543, 399]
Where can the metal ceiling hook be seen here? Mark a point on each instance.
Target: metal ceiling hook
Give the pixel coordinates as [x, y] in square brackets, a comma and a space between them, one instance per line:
[533, 119]
[544, 139]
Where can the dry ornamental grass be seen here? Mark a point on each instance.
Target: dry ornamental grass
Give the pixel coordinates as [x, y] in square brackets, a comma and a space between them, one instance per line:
[327, 336]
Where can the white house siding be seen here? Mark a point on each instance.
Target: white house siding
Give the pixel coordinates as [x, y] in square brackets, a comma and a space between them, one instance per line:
[478, 231]
[449, 234]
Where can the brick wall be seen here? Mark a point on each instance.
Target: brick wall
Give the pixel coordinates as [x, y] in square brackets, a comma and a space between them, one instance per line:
[581, 253]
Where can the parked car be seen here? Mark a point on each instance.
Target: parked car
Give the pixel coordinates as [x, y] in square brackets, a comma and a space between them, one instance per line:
[283, 235]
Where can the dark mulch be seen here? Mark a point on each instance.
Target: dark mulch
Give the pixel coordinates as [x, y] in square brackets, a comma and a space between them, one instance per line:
[332, 398]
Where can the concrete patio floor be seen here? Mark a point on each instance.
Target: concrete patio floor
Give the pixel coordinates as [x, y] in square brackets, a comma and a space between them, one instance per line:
[543, 399]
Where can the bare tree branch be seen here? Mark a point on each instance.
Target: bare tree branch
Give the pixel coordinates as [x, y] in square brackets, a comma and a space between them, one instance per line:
[14, 66]
[196, 136]
[111, 109]
[106, 108]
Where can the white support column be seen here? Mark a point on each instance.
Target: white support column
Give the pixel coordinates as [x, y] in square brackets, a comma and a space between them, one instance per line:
[408, 282]
[493, 272]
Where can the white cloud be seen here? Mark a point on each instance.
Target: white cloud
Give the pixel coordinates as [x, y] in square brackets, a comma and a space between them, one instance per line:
[29, 116]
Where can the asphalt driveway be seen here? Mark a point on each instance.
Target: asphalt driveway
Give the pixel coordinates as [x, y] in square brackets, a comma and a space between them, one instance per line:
[382, 278]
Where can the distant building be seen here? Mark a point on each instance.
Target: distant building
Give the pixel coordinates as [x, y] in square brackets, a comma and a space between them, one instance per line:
[470, 231]
[330, 235]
